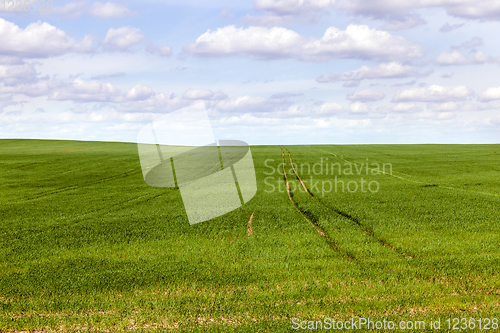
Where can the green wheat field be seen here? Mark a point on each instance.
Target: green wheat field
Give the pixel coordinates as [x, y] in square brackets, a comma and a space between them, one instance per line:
[87, 245]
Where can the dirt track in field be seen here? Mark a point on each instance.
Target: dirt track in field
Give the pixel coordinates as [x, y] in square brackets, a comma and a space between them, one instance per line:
[312, 219]
[348, 216]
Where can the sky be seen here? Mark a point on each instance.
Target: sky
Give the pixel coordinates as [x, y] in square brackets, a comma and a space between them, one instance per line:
[268, 71]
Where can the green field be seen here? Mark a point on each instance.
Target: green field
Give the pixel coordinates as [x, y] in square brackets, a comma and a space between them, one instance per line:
[87, 245]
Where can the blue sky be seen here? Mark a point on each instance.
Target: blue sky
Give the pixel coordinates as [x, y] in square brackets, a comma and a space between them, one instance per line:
[269, 71]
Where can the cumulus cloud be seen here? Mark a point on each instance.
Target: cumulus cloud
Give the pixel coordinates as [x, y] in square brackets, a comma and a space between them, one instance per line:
[433, 93]
[329, 108]
[357, 41]
[38, 40]
[457, 58]
[139, 93]
[77, 91]
[205, 94]
[17, 74]
[122, 39]
[162, 51]
[358, 107]
[451, 58]
[42, 88]
[490, 94]
[382, 71]
[478, 9]
[365, 96]
[82, 91]
[109, 10]
[158, 102]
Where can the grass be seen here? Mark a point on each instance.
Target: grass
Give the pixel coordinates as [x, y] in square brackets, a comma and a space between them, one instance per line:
[85, 244]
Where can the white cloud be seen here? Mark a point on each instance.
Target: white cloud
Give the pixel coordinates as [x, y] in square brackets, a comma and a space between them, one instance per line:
[122, 39]
[474, 9]
[490, 94]
[38, 40]
[451, 58]
[358, 107]
[162, 51]
[433, 93]
[365, 96]
[357, 41]
[382, 71]
[249, 103]
[253, 42]
[480, 58]
[204, 94]
[457, 58]
[328, 108]
[17, 74]
[81, 91]
[139, 93]
[155, 103]
[109, 10]
[78, 91]
[42, 88]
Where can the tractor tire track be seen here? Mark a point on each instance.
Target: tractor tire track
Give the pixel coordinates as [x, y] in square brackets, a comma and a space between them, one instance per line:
[313, 220]
[370, 233]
